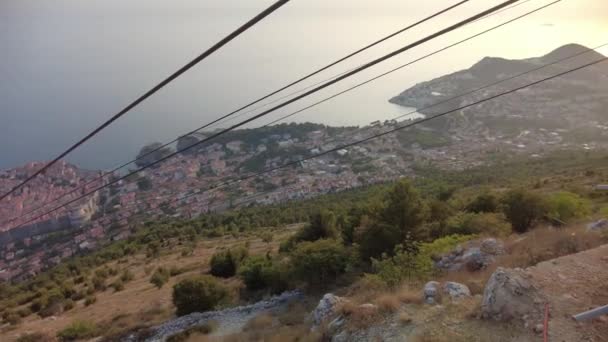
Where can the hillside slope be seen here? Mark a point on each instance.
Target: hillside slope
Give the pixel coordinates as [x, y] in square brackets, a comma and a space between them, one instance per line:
[576, 100]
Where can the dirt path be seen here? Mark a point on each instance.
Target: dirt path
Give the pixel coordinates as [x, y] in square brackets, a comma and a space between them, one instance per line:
[573, 284]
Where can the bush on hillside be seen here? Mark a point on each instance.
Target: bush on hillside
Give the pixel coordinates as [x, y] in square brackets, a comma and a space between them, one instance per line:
[78, 330]
[566, 206]
[523, 209]
[322, 225]
[414, 261]
[465, 223]
[486, 202]
[160, 277]
[198, 294]
[319, 262]
[225, 263]
[262, 272]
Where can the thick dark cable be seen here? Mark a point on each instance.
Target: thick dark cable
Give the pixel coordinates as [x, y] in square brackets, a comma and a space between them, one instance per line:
[341, 77]
[155, 89]
[410, 63]
[375, 136]
[250, 104]
[414, 123]
[359, 69]
[469, 92]
[294, 163]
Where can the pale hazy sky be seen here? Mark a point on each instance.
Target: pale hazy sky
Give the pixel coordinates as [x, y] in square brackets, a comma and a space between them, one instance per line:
[67, 65]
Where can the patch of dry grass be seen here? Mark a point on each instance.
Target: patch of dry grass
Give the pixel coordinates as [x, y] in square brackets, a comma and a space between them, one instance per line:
[545, 243]
[388, 303]
[359, 316]
[405, 318]
[408, 294]
[260, 322]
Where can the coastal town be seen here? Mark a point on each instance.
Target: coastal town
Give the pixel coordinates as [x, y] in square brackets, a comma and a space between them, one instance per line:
[287, 162]
[218, 177]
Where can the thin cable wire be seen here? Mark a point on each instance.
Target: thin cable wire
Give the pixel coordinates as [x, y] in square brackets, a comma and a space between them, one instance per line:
[375, 136]
[152, 91]
[410, 63]
[491, 85]
[302, 79]
[308, 93]
[414, 123]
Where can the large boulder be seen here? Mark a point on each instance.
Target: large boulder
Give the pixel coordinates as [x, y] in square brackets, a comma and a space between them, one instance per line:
[509, 294]
[326, 309]
[431, 292]
[456, 290]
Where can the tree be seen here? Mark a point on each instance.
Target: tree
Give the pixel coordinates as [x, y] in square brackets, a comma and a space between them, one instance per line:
[405, 209]
[198, 294]
[523, 209]
[377, 239]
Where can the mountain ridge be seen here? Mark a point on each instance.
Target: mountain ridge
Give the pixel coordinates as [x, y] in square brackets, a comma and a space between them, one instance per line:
[564, 102]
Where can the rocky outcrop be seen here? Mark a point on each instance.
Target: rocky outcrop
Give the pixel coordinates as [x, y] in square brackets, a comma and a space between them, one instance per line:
[509, 294]
[473, 257]
[327, 308]
[228, 321]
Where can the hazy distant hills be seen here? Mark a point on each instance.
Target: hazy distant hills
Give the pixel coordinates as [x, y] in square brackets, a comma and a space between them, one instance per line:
[578, 100]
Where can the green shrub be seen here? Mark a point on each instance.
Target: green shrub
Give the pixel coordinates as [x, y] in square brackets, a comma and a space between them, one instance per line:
[118, 285]
[90, 300]
[78, 330]
[523, 209]
[225, 263]
[260, 272]
[486, 202]
[99, 283]
[319, 262]
[51, 303]
[126, 276]
[466, 223]
[566, 206]
[198, 294]
[160, 277]
[322, 225]
[68, 305]
[415, 261]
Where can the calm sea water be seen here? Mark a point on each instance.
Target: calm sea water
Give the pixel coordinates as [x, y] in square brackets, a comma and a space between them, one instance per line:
[68, 65]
